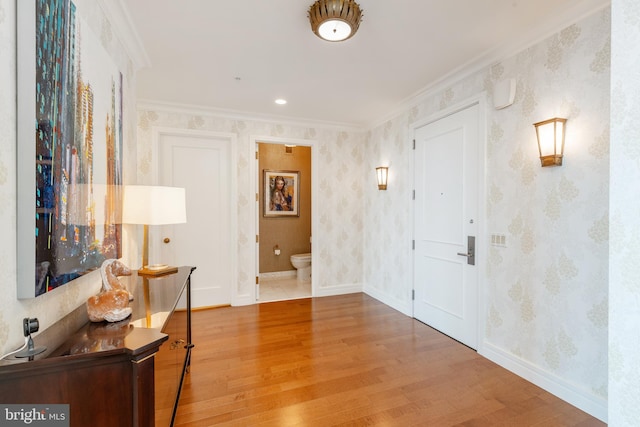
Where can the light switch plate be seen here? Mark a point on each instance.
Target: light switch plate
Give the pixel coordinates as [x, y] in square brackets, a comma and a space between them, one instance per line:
[499, 240]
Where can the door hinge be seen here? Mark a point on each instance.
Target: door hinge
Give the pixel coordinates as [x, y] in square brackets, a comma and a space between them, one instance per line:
[257, 239]
[414, 195]
[257, 282]
[256, 155]
[413, 244]
[257, 197]
[413, 294]
[414, 144]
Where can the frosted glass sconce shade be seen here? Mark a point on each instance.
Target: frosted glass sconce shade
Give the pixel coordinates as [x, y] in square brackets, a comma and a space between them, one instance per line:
[550, 135]
[382, 174]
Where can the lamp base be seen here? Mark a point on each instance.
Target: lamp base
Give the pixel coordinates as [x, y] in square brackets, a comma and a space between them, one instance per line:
[157, 270]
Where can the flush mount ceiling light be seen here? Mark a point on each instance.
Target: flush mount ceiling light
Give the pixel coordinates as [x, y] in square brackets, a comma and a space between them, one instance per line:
[335, 20]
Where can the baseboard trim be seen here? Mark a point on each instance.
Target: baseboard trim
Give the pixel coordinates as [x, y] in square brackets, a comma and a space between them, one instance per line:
[243, 300]
[278, 274]
[401, 306]
[581, 399]
[337, 290]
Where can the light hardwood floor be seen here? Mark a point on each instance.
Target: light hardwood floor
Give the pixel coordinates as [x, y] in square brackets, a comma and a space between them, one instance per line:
[349, 361]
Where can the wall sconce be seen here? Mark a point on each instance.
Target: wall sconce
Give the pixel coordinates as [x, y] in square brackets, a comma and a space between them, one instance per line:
[382, 172]
[550, 135]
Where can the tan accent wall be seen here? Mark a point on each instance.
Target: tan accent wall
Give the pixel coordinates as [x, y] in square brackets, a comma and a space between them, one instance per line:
[292, 233]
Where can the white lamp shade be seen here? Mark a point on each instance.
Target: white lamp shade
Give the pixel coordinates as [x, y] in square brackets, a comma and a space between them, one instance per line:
[154, 205]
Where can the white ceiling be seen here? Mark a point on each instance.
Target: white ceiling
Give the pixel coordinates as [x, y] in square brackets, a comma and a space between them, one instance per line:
[240, 55]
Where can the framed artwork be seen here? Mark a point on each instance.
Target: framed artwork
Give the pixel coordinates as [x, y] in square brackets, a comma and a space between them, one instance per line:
[69, 148]
[281, 193]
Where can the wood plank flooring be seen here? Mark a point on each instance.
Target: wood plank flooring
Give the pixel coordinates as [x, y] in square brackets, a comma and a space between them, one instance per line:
[349, 361]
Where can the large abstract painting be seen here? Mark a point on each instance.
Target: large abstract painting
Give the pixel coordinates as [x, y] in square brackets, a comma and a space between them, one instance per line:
[70, 148]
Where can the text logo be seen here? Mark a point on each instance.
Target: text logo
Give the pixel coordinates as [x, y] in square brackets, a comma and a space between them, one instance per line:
[34, 415]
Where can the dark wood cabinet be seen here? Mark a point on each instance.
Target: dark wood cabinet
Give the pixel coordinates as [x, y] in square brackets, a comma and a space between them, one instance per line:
[127, 373]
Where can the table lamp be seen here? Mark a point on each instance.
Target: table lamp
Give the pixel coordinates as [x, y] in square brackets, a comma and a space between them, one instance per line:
[153, 205]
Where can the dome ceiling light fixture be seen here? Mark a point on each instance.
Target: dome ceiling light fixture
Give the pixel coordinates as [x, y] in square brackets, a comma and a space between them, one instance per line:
[335, 20]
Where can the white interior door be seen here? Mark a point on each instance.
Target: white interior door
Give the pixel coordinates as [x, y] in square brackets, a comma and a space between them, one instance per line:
[446, 214]
[201, 164]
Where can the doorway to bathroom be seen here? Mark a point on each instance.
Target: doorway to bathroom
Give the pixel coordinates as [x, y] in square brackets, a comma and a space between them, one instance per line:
[284, 221]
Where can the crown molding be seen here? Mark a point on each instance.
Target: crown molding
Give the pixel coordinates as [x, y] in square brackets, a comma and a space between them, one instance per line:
[153, 105]
[119, 17]
[558, 22]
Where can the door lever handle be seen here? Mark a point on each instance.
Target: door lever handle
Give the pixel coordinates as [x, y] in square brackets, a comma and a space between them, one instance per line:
[471, 250]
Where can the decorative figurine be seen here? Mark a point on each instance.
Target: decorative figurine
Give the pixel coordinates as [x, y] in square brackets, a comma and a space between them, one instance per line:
[112, 303]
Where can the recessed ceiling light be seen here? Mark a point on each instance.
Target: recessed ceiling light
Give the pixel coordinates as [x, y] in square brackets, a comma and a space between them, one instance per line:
[281, 101]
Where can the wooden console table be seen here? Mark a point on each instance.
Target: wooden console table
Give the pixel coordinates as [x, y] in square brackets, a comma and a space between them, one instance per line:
[128, 373]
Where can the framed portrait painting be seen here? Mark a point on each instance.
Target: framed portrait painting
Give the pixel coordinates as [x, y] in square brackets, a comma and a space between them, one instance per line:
[281, 193]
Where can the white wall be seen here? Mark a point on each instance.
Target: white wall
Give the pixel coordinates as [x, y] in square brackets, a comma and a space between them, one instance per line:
[624, 274]
[546, 293]
[52, 306]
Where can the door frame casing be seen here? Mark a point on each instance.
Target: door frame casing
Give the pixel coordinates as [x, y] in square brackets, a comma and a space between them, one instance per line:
[481, 238]
[231, 140]
[255, 183]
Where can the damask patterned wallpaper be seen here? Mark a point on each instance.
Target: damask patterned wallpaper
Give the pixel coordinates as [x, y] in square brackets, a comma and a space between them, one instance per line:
[337, 154]
[547, 290]
[8, 336]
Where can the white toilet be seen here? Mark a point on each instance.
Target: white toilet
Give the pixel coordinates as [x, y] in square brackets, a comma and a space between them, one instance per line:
[302, 262]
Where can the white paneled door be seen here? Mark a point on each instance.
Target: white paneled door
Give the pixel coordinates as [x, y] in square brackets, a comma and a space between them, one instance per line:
[445, 217]
[201, 164]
